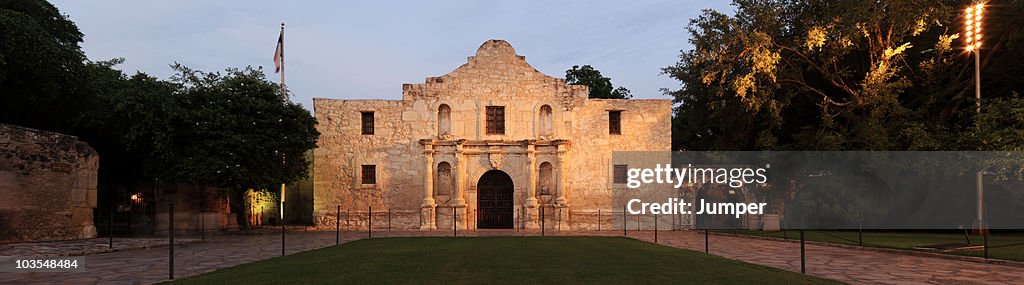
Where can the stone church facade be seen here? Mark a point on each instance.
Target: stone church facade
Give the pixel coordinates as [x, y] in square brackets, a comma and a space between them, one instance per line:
[492, 144]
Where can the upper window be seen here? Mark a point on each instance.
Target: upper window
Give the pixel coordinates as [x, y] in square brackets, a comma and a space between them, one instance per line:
[367, 123]
[495, 120]
[545, 121]
[619, 173]
[369, 174]
[444, 120]
[615, 122]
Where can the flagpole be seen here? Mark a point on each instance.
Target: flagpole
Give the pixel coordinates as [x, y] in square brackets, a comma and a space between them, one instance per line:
[283, 94]
[284, 97]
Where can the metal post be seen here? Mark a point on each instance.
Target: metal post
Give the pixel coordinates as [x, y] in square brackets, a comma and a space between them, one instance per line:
[655, 228]
[707, 235]
[985, 242]
[282, 228]
[476, 219]
[541, 220]
[455, 227]
[110, 226]
[803, 259]
[337, 227]
[170, 238]
[599, 220]
[369, 222]
[558, 220]
[202, 225]
[389, 220]
[638, 222]
[860, 233]
[623, 220]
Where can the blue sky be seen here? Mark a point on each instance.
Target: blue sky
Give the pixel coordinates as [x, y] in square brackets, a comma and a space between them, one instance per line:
[368, 49]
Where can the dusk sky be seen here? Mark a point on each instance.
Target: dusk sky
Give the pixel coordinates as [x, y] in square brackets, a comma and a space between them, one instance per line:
[367, 50]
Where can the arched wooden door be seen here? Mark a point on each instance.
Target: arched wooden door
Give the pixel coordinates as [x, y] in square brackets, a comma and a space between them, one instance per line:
[494, 200]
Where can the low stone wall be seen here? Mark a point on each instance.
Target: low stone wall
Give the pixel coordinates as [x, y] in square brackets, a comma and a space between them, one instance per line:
[47, 186]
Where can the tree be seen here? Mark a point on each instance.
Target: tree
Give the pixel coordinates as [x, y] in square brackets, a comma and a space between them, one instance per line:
[238, 131]
[40, 60]
[838, 75]
[600, 87]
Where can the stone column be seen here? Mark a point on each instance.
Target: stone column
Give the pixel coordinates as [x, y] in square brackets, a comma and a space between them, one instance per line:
[562, 170]
[427, 208]
[459, 203]
[532, 217]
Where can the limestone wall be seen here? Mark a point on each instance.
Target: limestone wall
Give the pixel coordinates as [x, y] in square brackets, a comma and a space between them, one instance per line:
[47, 186]
[407, 132]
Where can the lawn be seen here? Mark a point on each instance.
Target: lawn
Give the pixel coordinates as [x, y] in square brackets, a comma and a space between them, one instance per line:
[1008, 246]
[489, 260]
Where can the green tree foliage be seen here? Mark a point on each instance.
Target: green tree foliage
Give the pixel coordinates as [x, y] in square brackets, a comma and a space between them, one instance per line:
[230, 130]
[845, 75]
[238, 131]
[39, 63]
[600, 87]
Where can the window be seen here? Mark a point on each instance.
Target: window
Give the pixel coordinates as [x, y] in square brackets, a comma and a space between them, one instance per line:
[545, 121]
[495, 120]
[615, 122]
[444, 120]
[367, 123]
[619, 173]
[369, 174]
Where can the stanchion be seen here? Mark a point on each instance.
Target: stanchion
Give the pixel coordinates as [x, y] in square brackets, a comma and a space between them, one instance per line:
[202, 226]
[707, 236]
[389, 220]
[803, 259]
[860, 234]
[542, 221]
[558, 220]
[985, 241]
[623, 220]
[282, 229]
[110, 227]
[170, 238]
[599, 220]
[455, 227]
[655, 228]
[476, 219]
[369, 222]
[337, 227]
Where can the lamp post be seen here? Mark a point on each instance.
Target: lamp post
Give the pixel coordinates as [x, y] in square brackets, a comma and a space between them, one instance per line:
[972, 37]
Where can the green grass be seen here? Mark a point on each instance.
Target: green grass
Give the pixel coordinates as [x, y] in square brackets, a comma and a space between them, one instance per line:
[489, 260]
[1008, 246]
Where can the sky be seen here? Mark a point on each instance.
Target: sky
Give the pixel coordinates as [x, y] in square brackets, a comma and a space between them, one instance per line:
[368, 49]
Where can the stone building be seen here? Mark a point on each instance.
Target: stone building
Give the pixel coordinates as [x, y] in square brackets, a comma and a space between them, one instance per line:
[490, 145]
[47, 185]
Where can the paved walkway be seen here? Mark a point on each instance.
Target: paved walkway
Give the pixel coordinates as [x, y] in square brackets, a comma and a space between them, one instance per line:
[145, 266]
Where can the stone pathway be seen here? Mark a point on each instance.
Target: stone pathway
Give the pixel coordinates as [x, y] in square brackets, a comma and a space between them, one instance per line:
[84, 246]
[145, 266]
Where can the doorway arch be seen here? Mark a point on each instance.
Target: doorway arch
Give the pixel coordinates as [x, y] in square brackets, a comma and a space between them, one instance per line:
[494, 200]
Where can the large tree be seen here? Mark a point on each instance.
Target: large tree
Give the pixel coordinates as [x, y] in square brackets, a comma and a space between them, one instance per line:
[600, 87]
[843, 75]
[40, 61]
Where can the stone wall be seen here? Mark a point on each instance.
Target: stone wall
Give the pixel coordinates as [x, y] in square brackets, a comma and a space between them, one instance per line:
[47, 186]
[408, 145]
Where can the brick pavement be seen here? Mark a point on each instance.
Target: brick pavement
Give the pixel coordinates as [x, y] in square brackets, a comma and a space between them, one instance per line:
[145, 266]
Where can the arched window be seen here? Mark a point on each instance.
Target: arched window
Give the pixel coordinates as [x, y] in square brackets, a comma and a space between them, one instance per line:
[443, 181]
[545, 183]
[545, 121]
[444, 120]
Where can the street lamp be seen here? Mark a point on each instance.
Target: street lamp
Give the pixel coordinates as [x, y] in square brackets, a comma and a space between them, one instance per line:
[972, 37]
